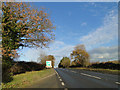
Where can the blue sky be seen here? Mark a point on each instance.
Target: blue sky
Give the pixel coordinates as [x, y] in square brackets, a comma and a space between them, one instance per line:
[93, 24]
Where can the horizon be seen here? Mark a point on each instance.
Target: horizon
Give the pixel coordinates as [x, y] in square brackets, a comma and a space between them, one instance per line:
[94, 24]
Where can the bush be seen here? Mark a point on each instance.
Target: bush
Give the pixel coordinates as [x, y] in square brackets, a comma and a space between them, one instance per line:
[22, 67]
[106, 65]
[6, 65]
[78, 65]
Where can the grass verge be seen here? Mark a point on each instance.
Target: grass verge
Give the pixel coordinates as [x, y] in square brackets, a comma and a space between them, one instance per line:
[109, 71]
[28, 78]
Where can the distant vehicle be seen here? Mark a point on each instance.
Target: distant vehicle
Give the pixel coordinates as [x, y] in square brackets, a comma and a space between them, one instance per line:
[48, 64]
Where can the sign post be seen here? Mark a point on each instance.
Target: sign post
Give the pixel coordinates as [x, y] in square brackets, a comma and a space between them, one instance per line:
[48, 64]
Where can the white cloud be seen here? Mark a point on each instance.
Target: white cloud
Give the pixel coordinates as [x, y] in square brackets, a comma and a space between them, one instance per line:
[104, 53]
[32, 54]
[83, 24]
[93, 3]
[105, 33]
[61, 52]
[57, 48]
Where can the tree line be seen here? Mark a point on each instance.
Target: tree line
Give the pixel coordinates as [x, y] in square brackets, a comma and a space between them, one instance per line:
[19, 67]
[43, 58]
[80, 56]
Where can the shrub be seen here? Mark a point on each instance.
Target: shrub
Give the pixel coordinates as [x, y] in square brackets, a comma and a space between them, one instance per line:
[22, 67]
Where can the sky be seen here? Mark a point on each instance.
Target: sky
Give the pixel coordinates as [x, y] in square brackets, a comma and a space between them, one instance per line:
[94, 24]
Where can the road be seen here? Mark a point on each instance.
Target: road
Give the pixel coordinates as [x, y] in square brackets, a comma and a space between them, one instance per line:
[74, 78]
[51, 81]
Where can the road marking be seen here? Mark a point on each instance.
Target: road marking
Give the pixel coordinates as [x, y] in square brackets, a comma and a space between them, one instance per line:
[90, 76]
[56, 72]
[117, 82]
[74, 71]
[60, 79]
[62, 83]
[65, 89]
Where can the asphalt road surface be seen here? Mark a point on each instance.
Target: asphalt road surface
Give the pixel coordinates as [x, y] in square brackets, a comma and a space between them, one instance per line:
[74, 78]
[51, 81]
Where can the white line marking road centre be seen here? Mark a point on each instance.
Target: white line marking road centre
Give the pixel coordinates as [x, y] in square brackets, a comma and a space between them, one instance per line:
[90, 76]
[74, 71]
[117, 82]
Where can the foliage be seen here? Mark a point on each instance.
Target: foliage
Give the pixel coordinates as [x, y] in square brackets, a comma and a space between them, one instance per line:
[47, 58]
[112, 65]
[106, 65]
[65, 62]
[75, 64]
[80, 55]
[51, 58]
[110, 71]
[23, 26]
[22, 67]
[42, 57]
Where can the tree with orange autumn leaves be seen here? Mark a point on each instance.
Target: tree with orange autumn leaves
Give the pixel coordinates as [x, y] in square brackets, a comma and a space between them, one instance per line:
[23, 26]
[44, 58]
[80, 55]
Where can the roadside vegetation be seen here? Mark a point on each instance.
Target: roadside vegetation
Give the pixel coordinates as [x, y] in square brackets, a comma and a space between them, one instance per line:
[81, 60]
[22, 67]
[43, 58]
[101, 70]
[22, 26]
[111, 67]
[26, 79]
[65, 62]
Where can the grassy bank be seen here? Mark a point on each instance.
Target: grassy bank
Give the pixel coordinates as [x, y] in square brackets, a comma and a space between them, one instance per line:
[109, 71]
[28, 78]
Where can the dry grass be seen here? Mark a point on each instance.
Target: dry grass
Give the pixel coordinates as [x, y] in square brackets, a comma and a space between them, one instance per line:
[110, 71]
[28, 78]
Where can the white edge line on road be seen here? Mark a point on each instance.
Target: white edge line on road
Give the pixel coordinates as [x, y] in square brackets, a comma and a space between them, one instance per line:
[60, 79]
[117, 82]
[91, 76]
[56, 72]
[62, 83]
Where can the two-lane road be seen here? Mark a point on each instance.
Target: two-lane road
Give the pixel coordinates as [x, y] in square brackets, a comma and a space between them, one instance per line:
[74, 78]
